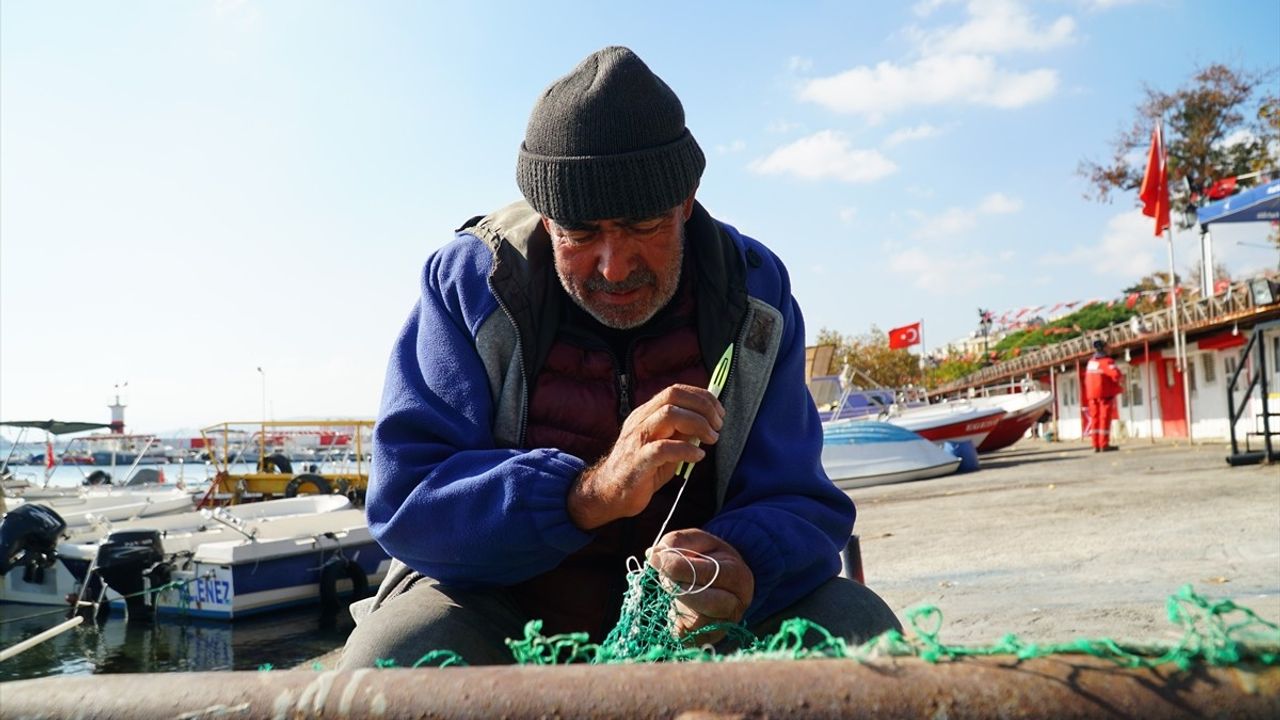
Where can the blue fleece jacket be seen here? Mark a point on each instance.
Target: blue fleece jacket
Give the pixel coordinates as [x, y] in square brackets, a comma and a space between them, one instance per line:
[448, 501]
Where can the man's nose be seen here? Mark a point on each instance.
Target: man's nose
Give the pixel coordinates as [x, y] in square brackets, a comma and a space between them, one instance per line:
[615, 257]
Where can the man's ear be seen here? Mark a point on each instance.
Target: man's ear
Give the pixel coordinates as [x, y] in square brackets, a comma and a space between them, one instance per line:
[546, 223]
[687, 208]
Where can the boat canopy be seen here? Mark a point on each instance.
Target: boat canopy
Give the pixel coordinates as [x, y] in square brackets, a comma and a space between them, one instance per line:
[56, 427]
[1258, 204]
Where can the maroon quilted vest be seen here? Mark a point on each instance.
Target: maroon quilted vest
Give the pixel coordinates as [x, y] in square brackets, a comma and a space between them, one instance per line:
[591, 379]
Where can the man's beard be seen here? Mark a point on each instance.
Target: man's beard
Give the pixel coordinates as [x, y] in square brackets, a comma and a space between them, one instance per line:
[665, 280]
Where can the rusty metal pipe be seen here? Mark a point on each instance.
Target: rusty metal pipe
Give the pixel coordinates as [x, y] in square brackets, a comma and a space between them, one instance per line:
[1057, 687]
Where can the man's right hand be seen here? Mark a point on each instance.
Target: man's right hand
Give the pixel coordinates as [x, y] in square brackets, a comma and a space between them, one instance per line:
[654, 440]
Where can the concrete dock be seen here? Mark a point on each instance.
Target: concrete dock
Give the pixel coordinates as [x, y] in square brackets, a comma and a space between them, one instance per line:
[1054, 542]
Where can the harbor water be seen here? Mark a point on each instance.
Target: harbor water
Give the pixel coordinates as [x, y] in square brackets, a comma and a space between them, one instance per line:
[280, 639]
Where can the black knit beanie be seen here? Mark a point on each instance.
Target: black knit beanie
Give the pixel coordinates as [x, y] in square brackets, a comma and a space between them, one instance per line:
[608, 140]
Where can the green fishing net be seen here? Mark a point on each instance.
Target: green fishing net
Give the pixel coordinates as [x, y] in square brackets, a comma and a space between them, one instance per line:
[1213, 632]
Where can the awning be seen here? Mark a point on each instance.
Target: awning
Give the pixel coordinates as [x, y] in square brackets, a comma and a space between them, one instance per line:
[1259, 204]
[56, 427]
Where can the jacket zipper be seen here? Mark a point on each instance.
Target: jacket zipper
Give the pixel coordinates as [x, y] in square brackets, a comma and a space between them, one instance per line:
[524, 377]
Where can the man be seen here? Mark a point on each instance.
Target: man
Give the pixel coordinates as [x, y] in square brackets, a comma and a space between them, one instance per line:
[553, 376]
[1102, 383]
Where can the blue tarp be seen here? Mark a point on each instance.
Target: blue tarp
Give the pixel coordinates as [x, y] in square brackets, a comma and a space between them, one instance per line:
[1259, 204]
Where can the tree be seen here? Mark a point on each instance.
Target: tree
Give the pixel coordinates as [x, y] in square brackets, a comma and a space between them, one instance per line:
[870, 355]
[1225, 122]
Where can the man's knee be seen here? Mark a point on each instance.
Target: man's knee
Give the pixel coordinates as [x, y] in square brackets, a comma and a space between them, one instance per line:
[845, 608]
[426, 618]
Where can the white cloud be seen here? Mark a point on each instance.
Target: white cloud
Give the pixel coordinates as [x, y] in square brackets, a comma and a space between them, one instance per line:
[1240, 136]
[957, 221]
[995, 27]
[886, 88]
[1108, 4]
[944, 275]
[797, 64]
[736, 146]
[847, 214]
[999, 204]
[1127, 249]
[825, 154]
[919, 132]
[952, 222]
[924, 8]
[783, 126]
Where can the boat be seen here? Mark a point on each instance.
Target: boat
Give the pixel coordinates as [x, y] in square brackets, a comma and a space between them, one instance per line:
[908, 408]
[221, 563]
[837, 398]
[868, 452]
[334, 452]
[1022, 410]
[83, 506]
[949, 421]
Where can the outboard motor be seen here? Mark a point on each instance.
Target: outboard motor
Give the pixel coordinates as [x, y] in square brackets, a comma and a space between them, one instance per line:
[124, 560]
[29, 535]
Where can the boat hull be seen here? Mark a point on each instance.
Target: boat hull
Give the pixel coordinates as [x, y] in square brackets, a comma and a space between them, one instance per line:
[866, 453]
[1021, 412]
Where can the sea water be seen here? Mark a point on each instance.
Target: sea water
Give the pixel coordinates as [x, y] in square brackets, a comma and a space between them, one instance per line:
[281, 639]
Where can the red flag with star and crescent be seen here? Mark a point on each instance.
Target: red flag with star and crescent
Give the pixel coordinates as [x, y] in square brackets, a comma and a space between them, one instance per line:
[905, 336]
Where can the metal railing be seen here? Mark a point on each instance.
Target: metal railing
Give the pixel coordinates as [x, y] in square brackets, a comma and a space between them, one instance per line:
[1193, 314]
[1236, 411]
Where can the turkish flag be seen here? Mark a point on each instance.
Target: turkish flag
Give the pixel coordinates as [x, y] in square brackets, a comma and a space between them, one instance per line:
[48, 455]
[1222, 188]
[904, 337]
[1155, 184]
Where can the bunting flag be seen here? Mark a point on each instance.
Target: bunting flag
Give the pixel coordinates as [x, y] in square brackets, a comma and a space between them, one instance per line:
[905, 336]
[1155, 183]
[1130, 301]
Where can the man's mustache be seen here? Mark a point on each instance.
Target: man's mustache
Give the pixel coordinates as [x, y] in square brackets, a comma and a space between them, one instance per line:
[637, 279]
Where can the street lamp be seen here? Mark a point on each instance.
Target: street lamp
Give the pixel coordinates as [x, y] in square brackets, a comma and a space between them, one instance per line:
[984, 326]
[262, 435]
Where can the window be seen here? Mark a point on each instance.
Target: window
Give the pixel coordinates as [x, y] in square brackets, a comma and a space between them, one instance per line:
[1134, 394]
[1191, 376]
[1210, 369]
[1275, 354]
[1229, 366]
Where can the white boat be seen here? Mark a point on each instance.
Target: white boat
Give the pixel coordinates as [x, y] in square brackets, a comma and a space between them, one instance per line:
[81, 506]
[864, 453]
[950, 421]
[1022, 410]
[201, 554]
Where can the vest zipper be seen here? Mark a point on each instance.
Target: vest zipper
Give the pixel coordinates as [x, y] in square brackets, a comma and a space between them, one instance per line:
[624, 396]
[524, 377]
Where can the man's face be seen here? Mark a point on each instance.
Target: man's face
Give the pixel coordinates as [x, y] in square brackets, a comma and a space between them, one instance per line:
[624, 270]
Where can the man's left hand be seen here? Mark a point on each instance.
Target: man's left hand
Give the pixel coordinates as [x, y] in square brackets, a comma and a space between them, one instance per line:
[726, 599]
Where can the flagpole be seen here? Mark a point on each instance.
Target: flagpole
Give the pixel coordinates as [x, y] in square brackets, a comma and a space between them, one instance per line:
[923, 347]
[1179, 342]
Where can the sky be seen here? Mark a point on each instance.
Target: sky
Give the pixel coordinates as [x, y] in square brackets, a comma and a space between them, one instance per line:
[222, 207]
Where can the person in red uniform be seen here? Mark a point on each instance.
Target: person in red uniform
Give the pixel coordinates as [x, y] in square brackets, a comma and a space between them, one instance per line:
[1102, 383]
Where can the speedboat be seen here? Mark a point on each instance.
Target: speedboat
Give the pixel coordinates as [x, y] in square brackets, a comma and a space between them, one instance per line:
[865, 453]
[79, 507]
[1022, 410]
[950, 421]
[214, 563]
